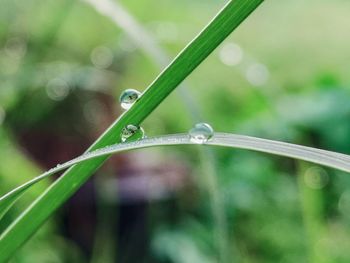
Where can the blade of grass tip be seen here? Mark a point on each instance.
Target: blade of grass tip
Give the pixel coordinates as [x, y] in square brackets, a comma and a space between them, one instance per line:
[146, 42]
[318, 156]
[229, 18]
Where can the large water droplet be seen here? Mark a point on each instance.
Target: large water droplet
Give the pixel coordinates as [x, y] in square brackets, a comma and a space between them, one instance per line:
[132, 132]
[128, 98]
[201, 133]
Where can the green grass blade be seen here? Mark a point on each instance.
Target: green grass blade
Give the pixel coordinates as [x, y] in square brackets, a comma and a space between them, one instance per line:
[322, 157]
[217, 30]
[144, 40]
[9, 199]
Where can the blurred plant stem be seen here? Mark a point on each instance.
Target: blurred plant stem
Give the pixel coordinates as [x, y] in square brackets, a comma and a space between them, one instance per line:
[146, 42]
[208, 167]
[314, 218]
[38, 50]
[105, 244]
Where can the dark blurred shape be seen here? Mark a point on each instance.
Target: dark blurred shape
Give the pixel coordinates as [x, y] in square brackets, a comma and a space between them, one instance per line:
[133, 179]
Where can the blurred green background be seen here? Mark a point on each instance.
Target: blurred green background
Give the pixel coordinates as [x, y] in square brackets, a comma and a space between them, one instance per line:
[284, 74]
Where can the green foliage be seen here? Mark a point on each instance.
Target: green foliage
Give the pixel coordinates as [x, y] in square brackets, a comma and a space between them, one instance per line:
[277, 210]
[322, 157]
[217, 30]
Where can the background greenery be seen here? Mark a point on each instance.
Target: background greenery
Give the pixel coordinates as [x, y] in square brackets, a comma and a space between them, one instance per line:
[282, 75]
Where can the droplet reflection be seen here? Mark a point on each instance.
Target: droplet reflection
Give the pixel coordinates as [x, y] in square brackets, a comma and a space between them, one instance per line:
[201, 133]
[132, 132]
[128, 98]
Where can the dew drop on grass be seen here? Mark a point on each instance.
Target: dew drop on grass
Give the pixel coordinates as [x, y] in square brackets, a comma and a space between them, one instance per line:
[201, 133]
[128, 98]
[132, 132]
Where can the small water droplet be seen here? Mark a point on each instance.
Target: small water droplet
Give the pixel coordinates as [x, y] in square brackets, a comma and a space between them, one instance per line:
[102, 57]
[201, 133]
[257, 74]
[132, 132]
[316, 177]
[128, 98]
[57, 89]
[15, 47]
[53, 169]
[231, 54]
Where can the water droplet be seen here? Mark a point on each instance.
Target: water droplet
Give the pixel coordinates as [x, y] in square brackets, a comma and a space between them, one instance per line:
[231, 54]
[57, 89]
[165, 31]
[316, 177]
[102, 57]
[132, 132]
[15, 47]
[128, 98]
[257, 74]
[201, 133]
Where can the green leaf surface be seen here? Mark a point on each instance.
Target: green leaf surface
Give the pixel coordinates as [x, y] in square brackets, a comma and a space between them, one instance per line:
[216, 31]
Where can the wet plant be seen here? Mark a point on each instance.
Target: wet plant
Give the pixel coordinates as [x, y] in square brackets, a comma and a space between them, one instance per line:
[127, 129]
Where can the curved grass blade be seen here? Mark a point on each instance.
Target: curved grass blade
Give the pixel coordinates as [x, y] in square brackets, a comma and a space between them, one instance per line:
[322, 157]
[229, 18]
